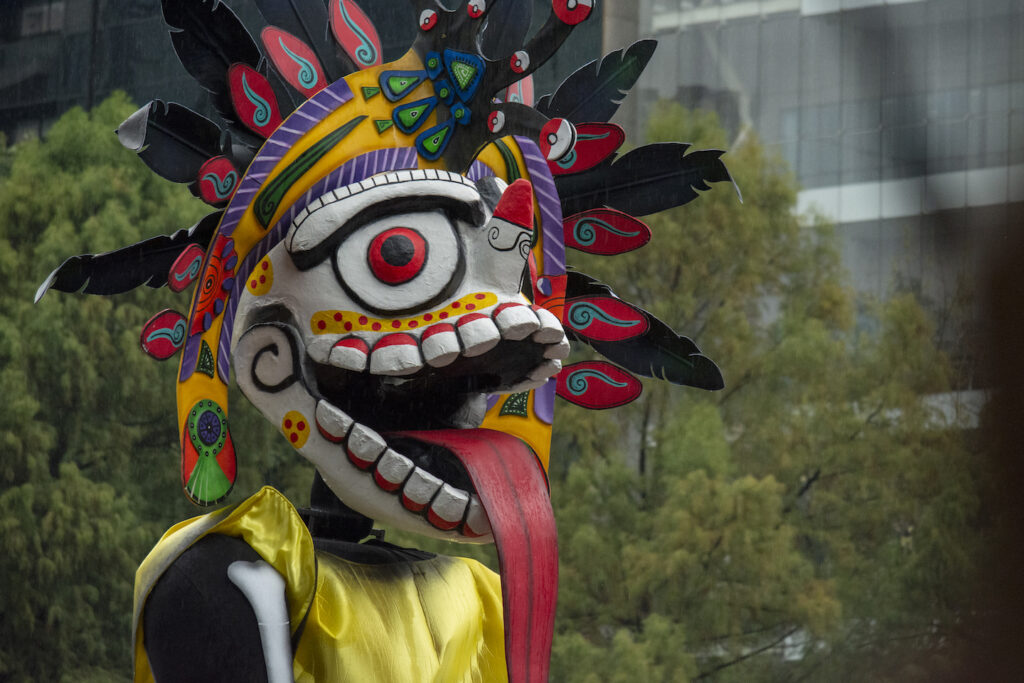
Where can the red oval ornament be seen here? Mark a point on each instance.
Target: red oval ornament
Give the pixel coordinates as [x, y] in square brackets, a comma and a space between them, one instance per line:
[605, 231]
[557, 138]
[597, 385]
[254, 100]
[595, 142]
[572, 12]
[163, 335]
[216, 284]
[356, 33]
[294, 60]
[218, 180]
[520, 92]
[397, 255]
[428, 19]
[185, 268]
[604, 318]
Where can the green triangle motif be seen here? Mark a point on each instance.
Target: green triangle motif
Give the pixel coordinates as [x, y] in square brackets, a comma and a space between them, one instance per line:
[516, 404]
[369, 92]
[399, 85]
[463, 73]
[411, 116]
[383, 124]
[205, 364]
[435, 144]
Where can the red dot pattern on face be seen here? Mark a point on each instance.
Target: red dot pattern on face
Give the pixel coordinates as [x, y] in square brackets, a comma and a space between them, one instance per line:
[397, 255]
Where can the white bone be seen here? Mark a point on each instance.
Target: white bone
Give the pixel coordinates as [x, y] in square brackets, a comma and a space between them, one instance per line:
[550, 331]
[392, 469]
[264, 588]
[419, 489]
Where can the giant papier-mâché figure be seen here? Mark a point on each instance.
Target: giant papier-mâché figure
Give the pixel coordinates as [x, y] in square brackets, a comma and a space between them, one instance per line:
[385, 272]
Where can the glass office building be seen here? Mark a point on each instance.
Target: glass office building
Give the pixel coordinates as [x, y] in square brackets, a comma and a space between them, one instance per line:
[902, 119]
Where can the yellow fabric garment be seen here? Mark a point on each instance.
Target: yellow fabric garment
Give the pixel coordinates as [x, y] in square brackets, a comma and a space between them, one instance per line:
[437, 620]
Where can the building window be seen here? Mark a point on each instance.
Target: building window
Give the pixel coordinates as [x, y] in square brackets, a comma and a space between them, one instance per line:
[42, 17]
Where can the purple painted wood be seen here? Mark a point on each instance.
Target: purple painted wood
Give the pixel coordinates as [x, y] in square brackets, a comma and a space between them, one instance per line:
[550, 206]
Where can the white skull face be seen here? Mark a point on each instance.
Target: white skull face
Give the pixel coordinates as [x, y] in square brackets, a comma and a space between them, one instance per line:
[395, 305]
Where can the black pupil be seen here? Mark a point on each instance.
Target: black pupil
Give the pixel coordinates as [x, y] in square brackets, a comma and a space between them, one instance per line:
[397, 250]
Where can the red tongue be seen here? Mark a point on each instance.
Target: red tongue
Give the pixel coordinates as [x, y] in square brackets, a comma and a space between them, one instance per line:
[513, 491]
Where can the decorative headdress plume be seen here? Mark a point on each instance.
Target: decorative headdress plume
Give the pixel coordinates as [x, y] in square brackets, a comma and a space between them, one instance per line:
[461, 100]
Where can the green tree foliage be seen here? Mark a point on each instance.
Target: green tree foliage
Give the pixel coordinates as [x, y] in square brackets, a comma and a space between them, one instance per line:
[814, 520]
[88, 476]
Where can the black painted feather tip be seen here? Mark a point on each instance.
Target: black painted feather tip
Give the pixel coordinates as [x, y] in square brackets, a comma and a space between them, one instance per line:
[646, 180]
[660, 352]
[595, 90]
[143, 263]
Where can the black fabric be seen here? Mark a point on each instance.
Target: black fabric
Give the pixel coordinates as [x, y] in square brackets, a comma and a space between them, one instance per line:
[198, 626]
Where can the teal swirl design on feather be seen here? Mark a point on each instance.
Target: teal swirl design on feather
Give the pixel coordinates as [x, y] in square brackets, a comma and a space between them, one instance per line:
[261, 116]
[366, 53]
[222, 187]
[583, 313]
[307, 73]
[568, 161]
[585, 234]
[193, 269]
[176, 334]
[578, 384]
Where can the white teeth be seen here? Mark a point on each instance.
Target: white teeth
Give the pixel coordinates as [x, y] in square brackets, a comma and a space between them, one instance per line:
[516, 321]
[396, 354]
[478, 334]
[334, 424]
[364, 446]
[548, 368]
[477, 523]
[448, 507]
[392, 469]
[440, 345]
[550, 331]
[350, 354]
[320, 348]
[559, 351]
[420, 488]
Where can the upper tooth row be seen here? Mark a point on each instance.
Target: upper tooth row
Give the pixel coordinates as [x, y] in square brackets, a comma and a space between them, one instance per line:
[473, 334]
[444, 506]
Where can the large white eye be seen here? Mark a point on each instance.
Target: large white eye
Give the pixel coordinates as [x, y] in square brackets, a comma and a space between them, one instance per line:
[400, 263]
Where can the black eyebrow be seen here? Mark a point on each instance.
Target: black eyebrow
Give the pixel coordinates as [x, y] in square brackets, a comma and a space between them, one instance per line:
[472, 213]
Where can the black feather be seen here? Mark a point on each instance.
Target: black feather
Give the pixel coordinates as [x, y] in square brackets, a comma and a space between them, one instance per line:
[658, 353]
[595, 90]
[308, 21]
[508, 24]
[172, 140]
[144, 263]
[646, 180]
[209, 38]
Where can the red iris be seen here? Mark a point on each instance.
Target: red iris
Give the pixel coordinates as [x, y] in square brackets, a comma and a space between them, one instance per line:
[397, 255]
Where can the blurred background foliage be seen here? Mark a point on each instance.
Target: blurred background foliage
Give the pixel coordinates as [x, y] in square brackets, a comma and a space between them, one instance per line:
[818, 519]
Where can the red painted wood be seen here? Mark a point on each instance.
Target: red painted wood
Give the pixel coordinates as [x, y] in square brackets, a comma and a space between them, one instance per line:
[597, 385]
[254, 100]
[186, 268]
[294, 60]
[595, 142]
[355, 33]
[605, 231]
[218, 179]
[604, 318]
[163, 335]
